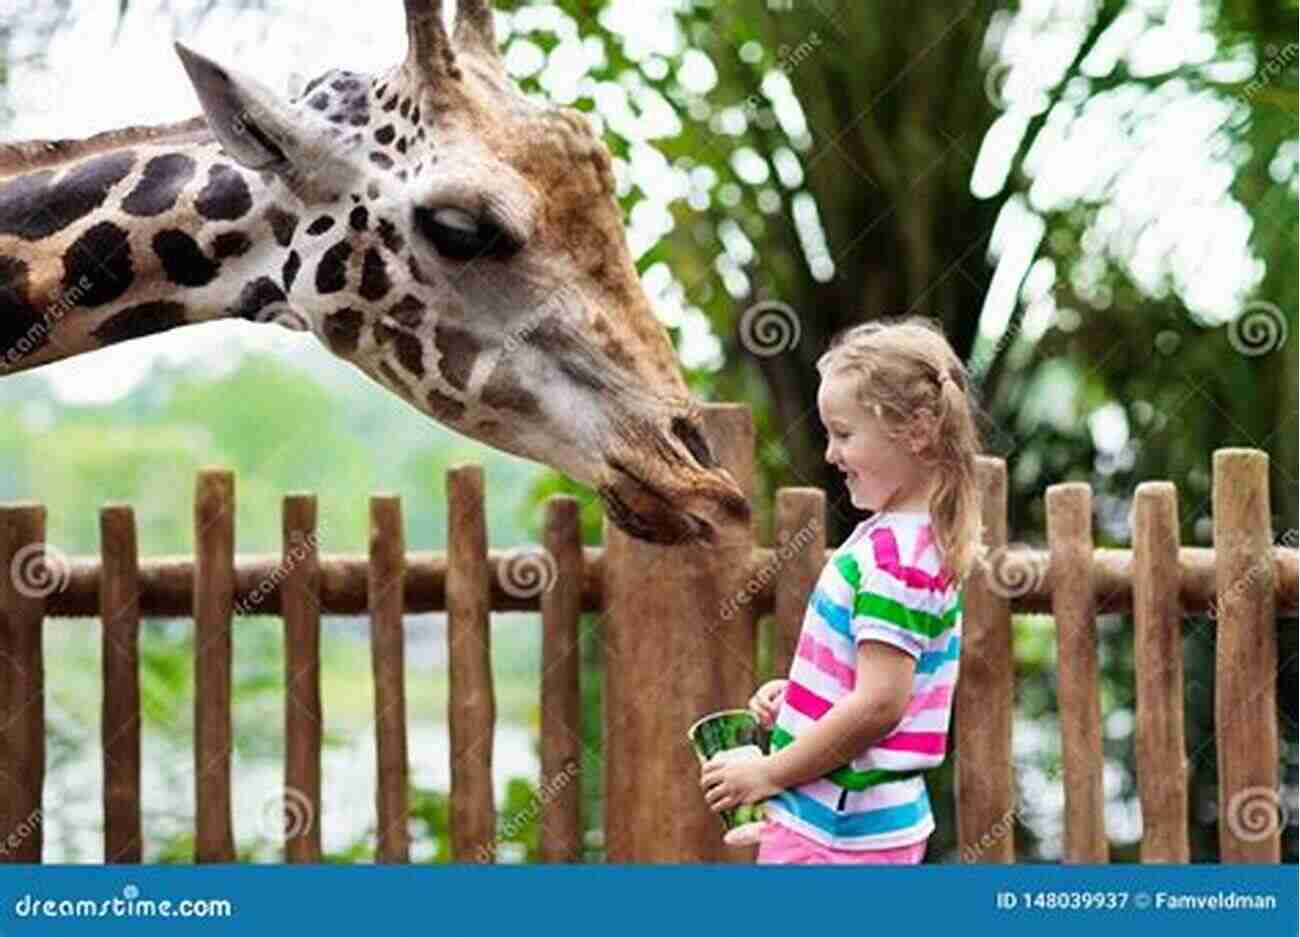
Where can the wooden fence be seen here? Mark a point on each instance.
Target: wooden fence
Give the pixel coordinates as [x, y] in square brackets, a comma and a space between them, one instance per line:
[678, 632]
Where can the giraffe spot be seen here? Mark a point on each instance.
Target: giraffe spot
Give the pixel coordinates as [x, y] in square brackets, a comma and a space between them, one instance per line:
[139, 321]
[343, 84]
[444, 408]
[391, 237]
[382, 160]
[291, 268]
[343, 331]
[408, 312]
[283, 225]
[164, 179]
[388, 108]
[255, 297]
[320, 102]
[183, 261]
[22, 327]
[31, 208]
[231, 244]
[417, 274]
[415, 115]
[101, 257]
[225, 197]
[379, 92]
[410, 353]
[504, 392]
[320, 225]
[314, 84]
[458, 348]
[359, 119]
[384, 135]
[401, 145]
[331, 273]
[405, 109]
[375, 282]
[360, 218]
[372, 191]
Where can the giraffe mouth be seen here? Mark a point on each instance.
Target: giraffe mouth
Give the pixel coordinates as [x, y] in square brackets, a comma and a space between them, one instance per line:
[643, 511]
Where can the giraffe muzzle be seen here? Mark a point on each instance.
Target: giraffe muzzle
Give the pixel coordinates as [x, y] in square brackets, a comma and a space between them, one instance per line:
[707, 508]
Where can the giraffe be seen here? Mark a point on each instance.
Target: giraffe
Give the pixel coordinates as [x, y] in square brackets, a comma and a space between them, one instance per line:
[456, 241]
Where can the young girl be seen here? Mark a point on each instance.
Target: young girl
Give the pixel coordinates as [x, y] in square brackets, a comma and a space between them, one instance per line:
[869, 698]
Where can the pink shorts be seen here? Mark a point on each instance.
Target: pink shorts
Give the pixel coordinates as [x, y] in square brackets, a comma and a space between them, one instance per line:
[779, 845]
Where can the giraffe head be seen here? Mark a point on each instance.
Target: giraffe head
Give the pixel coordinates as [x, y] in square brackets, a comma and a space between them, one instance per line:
[461, 244]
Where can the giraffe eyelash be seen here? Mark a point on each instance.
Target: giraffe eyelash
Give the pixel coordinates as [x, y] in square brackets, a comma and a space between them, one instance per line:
[457, 235]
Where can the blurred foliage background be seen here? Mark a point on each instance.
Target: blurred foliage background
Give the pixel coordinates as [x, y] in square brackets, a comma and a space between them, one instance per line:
[1097, 199]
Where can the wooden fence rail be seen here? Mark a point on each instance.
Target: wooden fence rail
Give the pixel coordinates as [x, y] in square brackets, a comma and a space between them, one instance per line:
[678, 633]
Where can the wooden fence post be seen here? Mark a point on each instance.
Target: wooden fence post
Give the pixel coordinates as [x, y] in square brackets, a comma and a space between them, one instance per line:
[214, 591]
[471, 700]
[983, 708]
[119, 614]
[1158, 666]
[679, 643]
[303, 720]
[562, 749]
[801, 528]
[27, 575]
[1245, 672]
[1069, 537]
[387, 657]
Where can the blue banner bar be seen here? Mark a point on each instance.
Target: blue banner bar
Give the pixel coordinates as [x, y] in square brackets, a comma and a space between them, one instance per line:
[606, 900]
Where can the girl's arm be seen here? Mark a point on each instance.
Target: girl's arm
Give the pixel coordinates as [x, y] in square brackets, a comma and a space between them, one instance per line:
[869, 713]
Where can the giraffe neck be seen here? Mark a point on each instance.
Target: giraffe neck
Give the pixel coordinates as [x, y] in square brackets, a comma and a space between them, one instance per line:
[132, 233]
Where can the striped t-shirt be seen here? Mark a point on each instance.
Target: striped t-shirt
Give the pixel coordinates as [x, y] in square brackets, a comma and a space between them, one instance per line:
[885, 583]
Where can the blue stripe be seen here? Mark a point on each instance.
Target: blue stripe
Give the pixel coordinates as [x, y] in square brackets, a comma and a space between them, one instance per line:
[930, 661]
[865, 823]
[834, 614]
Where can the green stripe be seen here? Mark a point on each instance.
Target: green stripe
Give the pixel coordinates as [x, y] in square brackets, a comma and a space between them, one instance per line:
[845, 776]
[874, 605]
[848, 568]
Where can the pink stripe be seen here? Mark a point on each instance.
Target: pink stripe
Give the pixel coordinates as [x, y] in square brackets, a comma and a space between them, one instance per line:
[824, 659]
[936, 698]
[923, 743]
[886, 552]
[804, 700]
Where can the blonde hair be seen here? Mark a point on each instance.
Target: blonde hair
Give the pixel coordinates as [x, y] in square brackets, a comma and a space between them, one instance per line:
[906, 372]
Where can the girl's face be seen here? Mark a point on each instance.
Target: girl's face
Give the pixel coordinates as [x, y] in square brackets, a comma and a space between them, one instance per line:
[878, 470]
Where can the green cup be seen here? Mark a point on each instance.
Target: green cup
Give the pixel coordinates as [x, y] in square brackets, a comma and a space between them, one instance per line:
[731, 734]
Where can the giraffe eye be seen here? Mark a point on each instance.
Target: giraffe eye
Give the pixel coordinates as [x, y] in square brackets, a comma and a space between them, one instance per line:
[458, 235]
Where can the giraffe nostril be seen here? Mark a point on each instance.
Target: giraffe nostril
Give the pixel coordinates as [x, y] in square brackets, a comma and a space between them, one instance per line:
[694, 442]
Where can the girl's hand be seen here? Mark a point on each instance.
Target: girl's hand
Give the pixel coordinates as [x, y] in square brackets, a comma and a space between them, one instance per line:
[766, 701]
[739, 781]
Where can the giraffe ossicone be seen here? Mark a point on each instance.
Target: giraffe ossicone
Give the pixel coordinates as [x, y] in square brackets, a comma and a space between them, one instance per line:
[458, 242]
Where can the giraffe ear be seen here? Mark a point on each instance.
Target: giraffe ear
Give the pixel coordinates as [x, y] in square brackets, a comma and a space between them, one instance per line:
[250, 121]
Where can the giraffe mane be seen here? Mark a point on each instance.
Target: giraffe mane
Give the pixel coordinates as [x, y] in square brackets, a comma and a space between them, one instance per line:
[28, 155]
